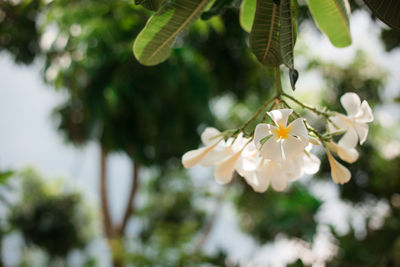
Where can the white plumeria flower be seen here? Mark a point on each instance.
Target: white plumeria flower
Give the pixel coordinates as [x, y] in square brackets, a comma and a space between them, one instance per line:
[340, 174]
[282, 141]
[214, 150]
[224, 169]
[347, 154]
[259, 173]
[355, 122]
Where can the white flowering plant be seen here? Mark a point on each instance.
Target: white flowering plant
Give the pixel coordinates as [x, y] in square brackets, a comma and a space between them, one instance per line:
[279, 149]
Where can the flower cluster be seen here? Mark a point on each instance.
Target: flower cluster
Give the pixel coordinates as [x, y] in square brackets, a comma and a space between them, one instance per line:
[279, 152]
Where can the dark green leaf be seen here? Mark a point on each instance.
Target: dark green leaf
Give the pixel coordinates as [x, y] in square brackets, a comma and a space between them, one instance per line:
[288, 31]
[387, 11]
[264, 35]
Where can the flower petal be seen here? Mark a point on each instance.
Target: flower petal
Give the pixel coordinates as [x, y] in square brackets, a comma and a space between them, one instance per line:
[340, 174]
[208, 137]
[193, 157]
[362, 131]
[280, 116]
[351, 103]
[224, 170]
[272, 149]
[366, 113]
[311, 163]
[262, 130]
[293, 146]
[338, 123]
[298, 128]
[349, 139]
[216, 155]
[349, 155]
[240, 142]
[258, 181]
[279, 183]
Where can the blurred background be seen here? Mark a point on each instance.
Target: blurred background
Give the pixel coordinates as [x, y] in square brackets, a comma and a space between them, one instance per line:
[85, 130]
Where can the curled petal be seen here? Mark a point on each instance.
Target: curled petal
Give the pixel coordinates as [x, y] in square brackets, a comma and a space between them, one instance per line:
[262, 130]
[209, 136]
[349, 139]
[362, 131]
[349, 155]
[351, 103]
[298, 128]
[193, 157]
[340, 174]
[280, 116]
[224, 170]
[366, 113]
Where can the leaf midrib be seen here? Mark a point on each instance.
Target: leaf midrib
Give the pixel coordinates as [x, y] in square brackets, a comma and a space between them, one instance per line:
[178, 29]
[342, 15]
[271, 31]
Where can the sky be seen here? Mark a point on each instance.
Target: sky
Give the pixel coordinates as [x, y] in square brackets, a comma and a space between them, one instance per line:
[28, 138]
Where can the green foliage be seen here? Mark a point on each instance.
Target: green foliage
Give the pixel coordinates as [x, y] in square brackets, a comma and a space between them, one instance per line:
[263, 216]
[288, 31]
[332, 17]
[247, 12]
[153, 44]
[170, 224]
[152, 114]
[57, 223]
[264, 35]
[152, 5]
[5, 175]
[18, 31]
[387, 11]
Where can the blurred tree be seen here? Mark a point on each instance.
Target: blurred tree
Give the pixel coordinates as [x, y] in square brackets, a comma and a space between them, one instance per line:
[57, 222]
[154, 114]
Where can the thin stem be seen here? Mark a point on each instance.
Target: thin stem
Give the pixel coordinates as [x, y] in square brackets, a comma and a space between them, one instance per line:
[255, 116]
[313, 109]
[130, 208]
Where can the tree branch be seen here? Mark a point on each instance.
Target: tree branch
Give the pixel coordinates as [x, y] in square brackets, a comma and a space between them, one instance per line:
[130, 208]
[103, 193]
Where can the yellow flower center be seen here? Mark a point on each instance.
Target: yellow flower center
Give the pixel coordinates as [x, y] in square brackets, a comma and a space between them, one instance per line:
[282, 132]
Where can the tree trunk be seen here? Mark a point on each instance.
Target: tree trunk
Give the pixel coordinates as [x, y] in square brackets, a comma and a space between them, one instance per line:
[116, 233]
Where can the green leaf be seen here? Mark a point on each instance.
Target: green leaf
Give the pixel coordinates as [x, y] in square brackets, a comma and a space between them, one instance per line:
[288, 31]
[264, 35]
[154, 43]
[387, 11]
[152, 5]
[247, 12]
[332, 17]
[216, 8]
[4, 176]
